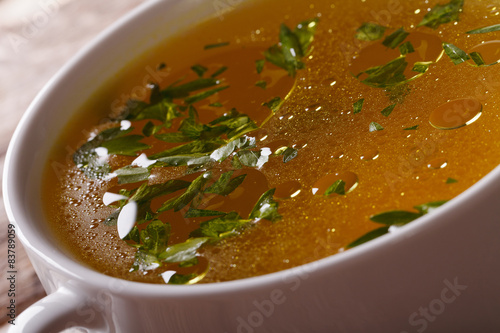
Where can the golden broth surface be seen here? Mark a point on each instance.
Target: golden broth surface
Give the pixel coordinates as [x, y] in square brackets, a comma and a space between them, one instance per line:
[418, 157]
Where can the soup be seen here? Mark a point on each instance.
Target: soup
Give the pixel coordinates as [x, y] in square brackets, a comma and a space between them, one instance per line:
[283, 133]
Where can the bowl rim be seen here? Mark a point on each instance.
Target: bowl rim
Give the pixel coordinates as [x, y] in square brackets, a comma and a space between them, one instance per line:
[63, 262]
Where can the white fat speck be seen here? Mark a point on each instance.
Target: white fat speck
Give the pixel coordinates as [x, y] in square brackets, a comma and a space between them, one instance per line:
[109, 198]
[101, 152]
[125, 125]
[143, 161]
[315, 190]
[266, 151]
[167, 275]
[126, 219]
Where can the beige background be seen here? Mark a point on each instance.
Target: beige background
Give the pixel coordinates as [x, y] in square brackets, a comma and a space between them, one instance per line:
[36, 38]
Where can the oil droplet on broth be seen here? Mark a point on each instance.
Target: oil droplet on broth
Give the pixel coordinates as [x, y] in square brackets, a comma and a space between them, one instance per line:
[370, 155]
[438, 163]
[456, 114]
[350, 179]
[490, 51]
[288, 190]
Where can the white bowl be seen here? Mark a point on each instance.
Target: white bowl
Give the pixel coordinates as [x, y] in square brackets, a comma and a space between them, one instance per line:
[439, 274]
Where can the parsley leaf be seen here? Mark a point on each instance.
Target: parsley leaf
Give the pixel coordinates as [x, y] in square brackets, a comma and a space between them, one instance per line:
[388, 75]
[442, 14]
[293, 47]
[406, 48]
[191, 192]
[261, 83]
[289, 154]
[221, 227]
[183, 251]
[456, 54]
[369, 236]
[413, 128]
[125, 145]
[358, 105]
[338, 187]
[199, 70]
[213, 46]
[388, 110]
[274, 104]
[451, 181]
[375, 127]
[193, 212]
[370, 31]
[225, 185]
[396, 38]
[88, 160]
[491, 28]
[129, 174]
[155, 237]
[266, 208]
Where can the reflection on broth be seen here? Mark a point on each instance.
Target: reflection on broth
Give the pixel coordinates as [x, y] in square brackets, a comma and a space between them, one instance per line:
[287, 132]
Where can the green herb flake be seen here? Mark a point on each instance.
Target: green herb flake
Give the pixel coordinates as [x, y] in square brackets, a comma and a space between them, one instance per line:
[266, 208]
[369, 236]
[388, 75]
[396, 217]
[388, 110]
[370, 31]
[396, 38]
[213, 46]
[183, 251]
[293, 46]
[130, 174]
[421, 67]
[375, 127]
[413, 128]
[155, 236]
[259, 65]
[451, 181]
[442, 14]
[484, 30]
[289, 154]
[477, 58]
[406, 48]
[273, 104]
[457, 55]
[145, 261]
[221, 227]
[338, 188]
[219, 71]
[358, 105]
[191, 192]
[193, 212]
[148, 129]
[225, 185]
[216, 105]
[261, 84]
[202, 95]
[199, 70]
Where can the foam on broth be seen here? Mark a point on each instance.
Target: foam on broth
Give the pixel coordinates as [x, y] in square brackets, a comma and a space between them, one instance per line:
[418, 157]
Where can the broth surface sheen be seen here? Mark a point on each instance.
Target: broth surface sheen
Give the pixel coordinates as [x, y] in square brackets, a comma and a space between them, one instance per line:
[424, 141]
